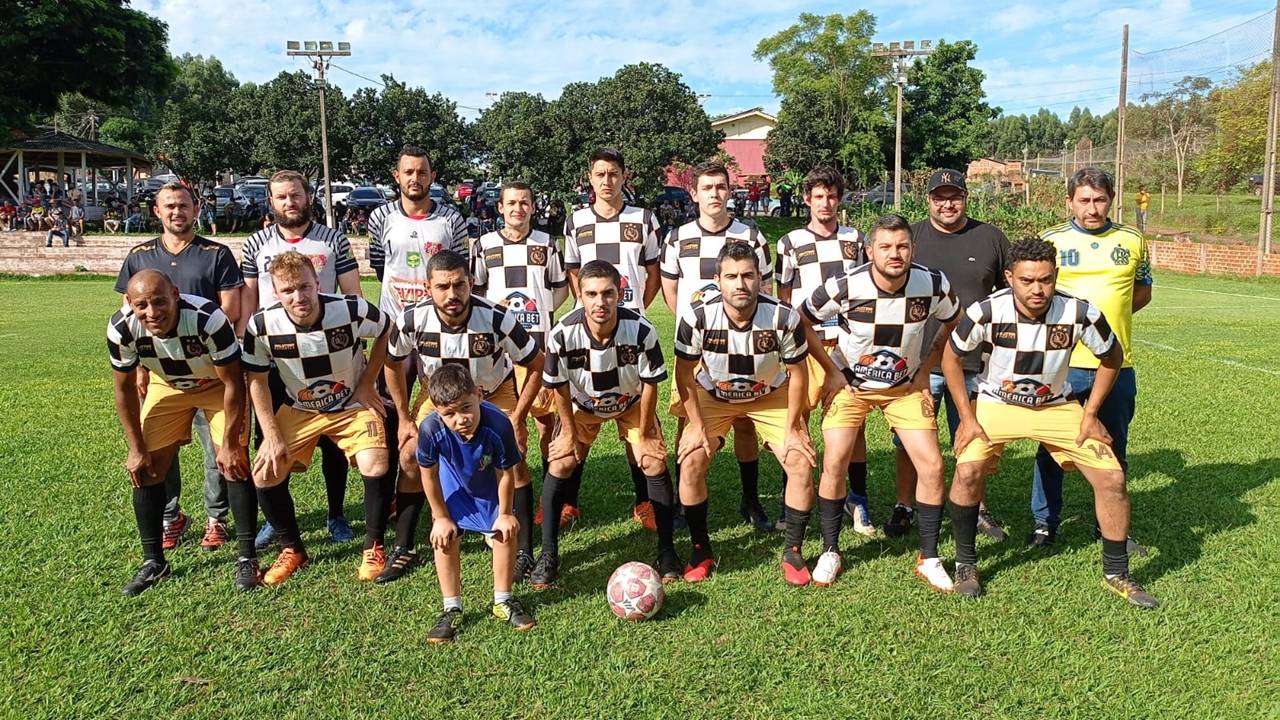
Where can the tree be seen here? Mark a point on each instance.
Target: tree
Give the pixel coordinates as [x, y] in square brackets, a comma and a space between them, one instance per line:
[806, 136]
[197, 136]
[1239, 115]
[60, 47]
[1046, 133]
[1183, 112]
[945, 110]
[385, 120]
[519, 140]
[278, 122]
[1009, 137]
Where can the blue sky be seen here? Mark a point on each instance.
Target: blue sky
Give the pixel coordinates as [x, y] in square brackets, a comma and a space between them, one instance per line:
[1034, 53]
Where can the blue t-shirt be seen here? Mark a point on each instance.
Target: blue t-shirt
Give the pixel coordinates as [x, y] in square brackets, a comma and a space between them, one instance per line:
[469, 468]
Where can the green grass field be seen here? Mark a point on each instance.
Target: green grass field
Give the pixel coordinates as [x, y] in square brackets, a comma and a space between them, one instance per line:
[1045, 642]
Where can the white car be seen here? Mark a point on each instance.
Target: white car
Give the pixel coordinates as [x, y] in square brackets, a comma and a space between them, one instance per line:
[340, 192]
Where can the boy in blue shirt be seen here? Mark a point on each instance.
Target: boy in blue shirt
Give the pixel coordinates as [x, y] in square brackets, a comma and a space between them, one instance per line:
[468, 454]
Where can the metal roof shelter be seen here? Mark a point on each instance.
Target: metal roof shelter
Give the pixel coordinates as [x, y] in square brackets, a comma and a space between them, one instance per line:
[51, 150]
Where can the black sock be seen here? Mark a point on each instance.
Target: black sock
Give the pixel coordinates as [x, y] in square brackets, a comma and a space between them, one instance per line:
[523, 508]
[858, 478]
[1115, 557]
[830, 518]
[277, 506]
[797, 524]
[243, 499]
[408, 510]
[696, 515]
[659, 491]
[377, 503]
[334, 466]
[749, 470]
[639, 484]
[572, 486]
[929, 520]
[964, 526]
[148, 509]
[552, 502]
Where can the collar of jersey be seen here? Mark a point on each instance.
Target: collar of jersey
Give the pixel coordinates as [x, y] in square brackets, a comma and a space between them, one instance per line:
[816, 236]
[450, 329]
[613, 336]
[434, 207]
[749, 325]
[615, 218]
[1100, 231]
[294, 241]
[703, 230]
[508, 241]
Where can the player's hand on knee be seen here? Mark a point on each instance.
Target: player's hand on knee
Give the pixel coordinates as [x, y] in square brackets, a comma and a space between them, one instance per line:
[505, 528]
[138, 464]
[562, 446]
[694, 440]
[1091, 428]
[443, 533]
[142, 378]
[272, 460]
[233, 462]
[651, 447]
[406, 434]
[522, 436]
[798, 441]
[966, 433]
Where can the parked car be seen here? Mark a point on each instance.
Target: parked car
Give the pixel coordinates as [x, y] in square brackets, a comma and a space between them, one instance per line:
[365, 198]
[253, 193]
[1255, 184]
[881, 195]
[253, 180]
[340, 192]
[226, 194]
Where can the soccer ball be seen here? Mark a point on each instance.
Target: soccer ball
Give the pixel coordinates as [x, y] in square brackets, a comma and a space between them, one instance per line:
[635, 592]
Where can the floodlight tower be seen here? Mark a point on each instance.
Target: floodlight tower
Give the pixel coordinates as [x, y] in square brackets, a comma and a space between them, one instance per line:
[900, 52]
[319, 52]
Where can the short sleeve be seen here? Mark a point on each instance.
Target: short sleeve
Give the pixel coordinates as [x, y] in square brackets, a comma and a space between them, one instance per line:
[126, 272]
[225, 270]
[219, 337]
[479, 271]
[513, 338]
[1142, 273]
[791, 343]
[827, 300]
[572, 260]
[458, 229]
[651, 229]
[761, 244]
[946, 306]
[249, 257]
[1095, 332]
[402, 330]
[428, 452]
[556, 275]
[784, 268]
[552, 370]
[689, 335]
[653, 368]
[370, 321]
[972, 328]
[506, 453]
[669, 267]
[120, 344]
[255, 355]
[344, 259]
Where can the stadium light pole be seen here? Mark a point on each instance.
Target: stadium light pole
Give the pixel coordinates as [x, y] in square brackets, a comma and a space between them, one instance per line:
[319, 52]
[899, 52]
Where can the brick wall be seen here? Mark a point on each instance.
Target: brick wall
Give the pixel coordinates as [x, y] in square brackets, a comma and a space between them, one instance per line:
[1187, 257]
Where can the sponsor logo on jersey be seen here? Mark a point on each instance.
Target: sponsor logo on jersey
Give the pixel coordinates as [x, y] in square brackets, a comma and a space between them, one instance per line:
[525, 309]
[431, 248]
[324, 395]
[1025, 392]
[628, 294]
[187, 384]
[407, 291]
[881, 366]
[485, 461]
[609, 403]
[1059, 337]
[739, 389]
[807, 254]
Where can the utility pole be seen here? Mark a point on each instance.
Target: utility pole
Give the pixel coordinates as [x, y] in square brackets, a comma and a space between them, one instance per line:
[1124, 102]
[899, 52]
[1269, 171]
[319, 52]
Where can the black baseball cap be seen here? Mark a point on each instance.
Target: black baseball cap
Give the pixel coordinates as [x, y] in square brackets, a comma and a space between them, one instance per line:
[947, 178]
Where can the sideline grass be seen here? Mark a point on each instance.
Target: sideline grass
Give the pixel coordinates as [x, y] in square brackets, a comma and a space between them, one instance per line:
[1045, 642]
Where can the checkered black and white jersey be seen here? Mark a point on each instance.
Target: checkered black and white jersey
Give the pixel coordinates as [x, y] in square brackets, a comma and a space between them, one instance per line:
[881, 334]
[605, 379]
[1028, 358]
[522, 275]
[628, 241]
[740, 364]
[320, 365]
[807, 259]
[488, 344]
[327, 248]
[202, 339]
[400, 245]
[689, 256]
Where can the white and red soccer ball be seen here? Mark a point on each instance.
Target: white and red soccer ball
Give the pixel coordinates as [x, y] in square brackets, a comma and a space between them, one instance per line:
[635, 592]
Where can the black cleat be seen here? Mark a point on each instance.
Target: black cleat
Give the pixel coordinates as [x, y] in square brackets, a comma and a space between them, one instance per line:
[151, 572]
[1129, 589]
[447, 627]
[900, 521]
[989, 526]
[755, 516]
[545, 572]
[1042, 537]
[513, 613]
[670, 566]
[524, 565]
[399, 563]
[248, 574]
[967, 583]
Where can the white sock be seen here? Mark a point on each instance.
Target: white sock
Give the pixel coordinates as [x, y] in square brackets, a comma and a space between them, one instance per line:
[453, 603]
[500, 597]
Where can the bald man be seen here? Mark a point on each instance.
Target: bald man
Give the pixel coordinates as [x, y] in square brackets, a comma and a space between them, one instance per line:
[189, 346]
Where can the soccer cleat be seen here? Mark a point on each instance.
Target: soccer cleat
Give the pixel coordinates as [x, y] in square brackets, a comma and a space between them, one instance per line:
[512, 613]
[448, 625]
[989, 526]
[248, 574]
[523, 566]
[934, 573]
[267, 536]
[828, 568]
[151, 572]
[399, 563]
[967, 583]
[900, 521]
[287, 563]
[643, 514]
[173, 530]
[569, 515]
[1129, 589]
[372, 562]
[701, 563]
[794, 569]
[340, 530]
[1042, 537]
[755, 516]
[856, 507]
[215, 534]
[668, 565]
[545, 572]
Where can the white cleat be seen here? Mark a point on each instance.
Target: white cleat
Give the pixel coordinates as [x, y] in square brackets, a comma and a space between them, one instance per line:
[934, 573]
[828, 568]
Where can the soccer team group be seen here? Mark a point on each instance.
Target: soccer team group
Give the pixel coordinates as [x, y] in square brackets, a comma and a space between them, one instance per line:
[901, 319]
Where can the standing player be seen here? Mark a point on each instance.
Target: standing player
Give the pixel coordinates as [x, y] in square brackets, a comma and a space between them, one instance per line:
[751, 348]
[313, 339]
[808, 257]
[190, 347]
[1105, 264]
[1031, 329]
[627, 238]
[453, 326]
[206, 269]
[881, 361]
[689, 268]
[604, 363]
[337, 270]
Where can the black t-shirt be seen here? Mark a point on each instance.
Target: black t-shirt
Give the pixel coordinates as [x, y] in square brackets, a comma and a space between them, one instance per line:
[203, 268]
[972, 259]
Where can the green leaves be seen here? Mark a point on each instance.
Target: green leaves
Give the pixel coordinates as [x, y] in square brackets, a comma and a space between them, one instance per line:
[945, 112]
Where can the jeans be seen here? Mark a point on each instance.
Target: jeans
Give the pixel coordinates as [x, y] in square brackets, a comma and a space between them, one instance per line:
[66, 238]
[1116, 413]
[1142, 219]
[133, 222]
[208, 218]
[215, 487]
[938, 389]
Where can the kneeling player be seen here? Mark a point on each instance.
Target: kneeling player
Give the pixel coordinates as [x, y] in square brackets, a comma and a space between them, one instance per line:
[752, 350]
[467, 456]
[1022, 394]
[313, 339]
[608, 360]
[190, 348]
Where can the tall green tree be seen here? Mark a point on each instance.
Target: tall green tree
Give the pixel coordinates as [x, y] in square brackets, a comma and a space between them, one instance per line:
[1183, 115]
[945, 112]
[519, 140]
[1238, 142]
[196, 137]
[384, 120]
[1008, 137]
[278, 122]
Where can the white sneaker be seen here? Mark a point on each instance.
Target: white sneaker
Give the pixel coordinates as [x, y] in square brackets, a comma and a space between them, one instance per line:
[934, 573]
[861, 520]
[828, 568]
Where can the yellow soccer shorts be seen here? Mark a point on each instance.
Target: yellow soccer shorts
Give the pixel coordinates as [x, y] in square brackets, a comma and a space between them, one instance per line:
[543, 404]
[769, 413]
[1054, 426]
[504, 396]
[902, 410]
[352, 431]
[167, 413]
[587, 425]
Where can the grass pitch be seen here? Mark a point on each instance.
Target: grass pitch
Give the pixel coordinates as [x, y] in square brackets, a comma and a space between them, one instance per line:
[1046, 640]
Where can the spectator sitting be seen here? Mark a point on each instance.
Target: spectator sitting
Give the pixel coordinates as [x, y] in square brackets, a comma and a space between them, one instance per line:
[61, 227]
[111, 219]
[8, 213]
[76, 220]
[134, 220]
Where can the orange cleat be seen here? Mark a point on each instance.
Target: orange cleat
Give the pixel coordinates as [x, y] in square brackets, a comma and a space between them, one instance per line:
[643, 514]
[372, 562]
[287, 563]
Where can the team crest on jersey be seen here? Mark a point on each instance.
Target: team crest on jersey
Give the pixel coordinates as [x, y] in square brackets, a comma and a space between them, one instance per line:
[1059, 337]
[323, 395]
[609, 403]
[1120, 255]
[881, 366]
[537, 255]
[740, 389]
[340, 338]
[630, 232]
[413, 259]
[702, 292]
[849, 251]
[525, 309]
[917, 309]
[1025, 392]
[192, 347]
[764, 341]
[628, 354]
[481, 345]
[485, 461]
